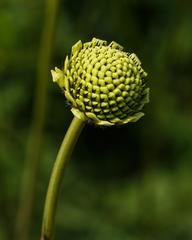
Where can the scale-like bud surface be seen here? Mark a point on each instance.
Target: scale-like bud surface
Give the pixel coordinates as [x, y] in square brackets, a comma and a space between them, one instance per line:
[103, 84]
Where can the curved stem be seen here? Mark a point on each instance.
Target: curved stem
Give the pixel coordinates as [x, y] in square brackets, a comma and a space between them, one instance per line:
[63, 156]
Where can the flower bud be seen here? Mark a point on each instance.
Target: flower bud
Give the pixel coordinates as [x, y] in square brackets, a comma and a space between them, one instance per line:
[103, 84]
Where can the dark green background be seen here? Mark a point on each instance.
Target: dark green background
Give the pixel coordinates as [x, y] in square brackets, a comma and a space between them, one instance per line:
[124, 183]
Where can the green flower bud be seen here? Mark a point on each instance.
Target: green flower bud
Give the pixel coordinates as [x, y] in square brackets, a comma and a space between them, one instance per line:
[103, 83]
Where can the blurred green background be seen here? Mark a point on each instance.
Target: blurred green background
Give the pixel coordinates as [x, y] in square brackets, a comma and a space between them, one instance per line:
[123, 183]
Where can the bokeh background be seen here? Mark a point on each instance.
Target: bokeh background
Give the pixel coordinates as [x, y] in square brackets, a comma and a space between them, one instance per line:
[123, 183]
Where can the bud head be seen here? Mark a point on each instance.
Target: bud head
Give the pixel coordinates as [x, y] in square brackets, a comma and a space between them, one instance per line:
[103, 84]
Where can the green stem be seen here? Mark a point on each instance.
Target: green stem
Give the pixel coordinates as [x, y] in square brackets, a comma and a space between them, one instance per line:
[35, 139]
[63, 156]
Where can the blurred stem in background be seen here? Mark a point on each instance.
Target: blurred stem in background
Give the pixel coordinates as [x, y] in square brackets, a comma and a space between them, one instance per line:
[35, 141]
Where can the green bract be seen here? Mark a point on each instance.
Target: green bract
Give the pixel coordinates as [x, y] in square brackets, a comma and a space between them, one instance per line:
[103, 83]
